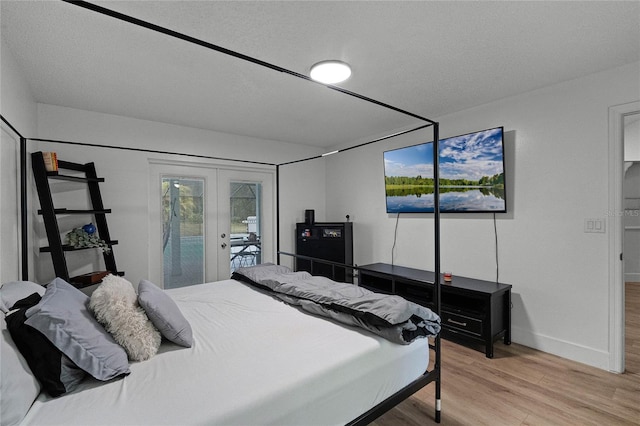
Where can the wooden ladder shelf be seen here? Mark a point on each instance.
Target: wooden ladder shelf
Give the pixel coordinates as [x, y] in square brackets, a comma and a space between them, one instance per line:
[49, 214]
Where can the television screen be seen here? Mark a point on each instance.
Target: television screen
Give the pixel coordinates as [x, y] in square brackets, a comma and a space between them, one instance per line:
[471, 175]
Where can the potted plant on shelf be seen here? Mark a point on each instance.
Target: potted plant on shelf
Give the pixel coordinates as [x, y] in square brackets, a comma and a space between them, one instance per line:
[86, 237]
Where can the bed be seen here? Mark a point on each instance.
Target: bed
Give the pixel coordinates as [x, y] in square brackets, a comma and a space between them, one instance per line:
[254, 360]
[295, 368]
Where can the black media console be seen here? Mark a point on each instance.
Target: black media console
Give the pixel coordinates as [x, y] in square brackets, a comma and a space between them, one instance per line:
[331, 241]
[472, 311]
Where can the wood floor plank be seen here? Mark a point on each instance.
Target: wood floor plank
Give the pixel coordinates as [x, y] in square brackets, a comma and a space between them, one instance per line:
[523, 386]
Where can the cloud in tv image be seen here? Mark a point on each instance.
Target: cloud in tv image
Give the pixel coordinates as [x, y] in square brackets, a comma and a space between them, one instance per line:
[471, 175]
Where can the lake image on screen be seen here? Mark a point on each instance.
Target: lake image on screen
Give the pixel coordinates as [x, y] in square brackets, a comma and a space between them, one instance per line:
[471, 175]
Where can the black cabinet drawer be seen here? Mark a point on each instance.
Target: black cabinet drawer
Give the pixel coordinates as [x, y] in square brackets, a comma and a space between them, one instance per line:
[377, 288]
[462, 322]
[416, 294]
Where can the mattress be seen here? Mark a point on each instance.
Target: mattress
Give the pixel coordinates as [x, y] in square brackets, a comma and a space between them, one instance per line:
[255, 360]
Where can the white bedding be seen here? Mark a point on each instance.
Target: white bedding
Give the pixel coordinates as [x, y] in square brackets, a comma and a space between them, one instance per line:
[255, 360]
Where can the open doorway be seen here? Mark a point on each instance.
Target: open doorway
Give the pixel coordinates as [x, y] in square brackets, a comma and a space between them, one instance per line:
[631, 240]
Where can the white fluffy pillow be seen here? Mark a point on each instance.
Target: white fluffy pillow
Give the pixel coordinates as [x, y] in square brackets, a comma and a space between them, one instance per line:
[115, 306]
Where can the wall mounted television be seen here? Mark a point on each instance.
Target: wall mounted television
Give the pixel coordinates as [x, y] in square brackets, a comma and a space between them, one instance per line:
[471, 175]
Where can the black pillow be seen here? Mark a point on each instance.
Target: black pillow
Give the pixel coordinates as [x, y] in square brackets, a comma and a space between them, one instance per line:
[54, 370]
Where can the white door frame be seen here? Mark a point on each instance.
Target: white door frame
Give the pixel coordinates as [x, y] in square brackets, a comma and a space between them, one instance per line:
[616, 234]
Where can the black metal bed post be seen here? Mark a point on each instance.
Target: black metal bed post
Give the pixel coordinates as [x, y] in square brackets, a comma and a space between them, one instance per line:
[23, 210]
[436, 236]
[278, 214]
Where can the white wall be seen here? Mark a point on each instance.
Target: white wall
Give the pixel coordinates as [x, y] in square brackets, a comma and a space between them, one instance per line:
[126, 187]
[556, 177]
[17, 103]
[19, 109]
[302, 187]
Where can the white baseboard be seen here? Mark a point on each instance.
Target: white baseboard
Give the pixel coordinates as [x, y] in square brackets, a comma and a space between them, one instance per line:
[632, 277]
[582, 354]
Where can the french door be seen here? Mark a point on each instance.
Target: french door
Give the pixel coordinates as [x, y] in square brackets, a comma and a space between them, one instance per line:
[246, 218]
[208, 220]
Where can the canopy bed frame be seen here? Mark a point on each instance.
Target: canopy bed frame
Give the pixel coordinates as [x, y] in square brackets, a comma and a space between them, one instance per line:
[428, 376]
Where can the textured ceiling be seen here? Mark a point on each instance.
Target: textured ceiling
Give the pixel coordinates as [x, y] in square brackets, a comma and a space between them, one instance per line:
[430, 58]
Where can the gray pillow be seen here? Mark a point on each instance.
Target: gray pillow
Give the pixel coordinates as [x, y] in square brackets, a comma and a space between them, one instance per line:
[63, 317]
[56, 373]
[18, 387]
[164, 314]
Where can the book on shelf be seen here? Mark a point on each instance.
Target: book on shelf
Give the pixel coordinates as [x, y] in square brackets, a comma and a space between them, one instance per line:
[50, 161]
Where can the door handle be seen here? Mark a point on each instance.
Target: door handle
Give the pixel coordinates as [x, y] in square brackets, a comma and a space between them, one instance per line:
[223, 245]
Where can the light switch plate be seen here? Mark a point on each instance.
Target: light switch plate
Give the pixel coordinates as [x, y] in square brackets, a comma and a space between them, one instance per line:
[594, 225]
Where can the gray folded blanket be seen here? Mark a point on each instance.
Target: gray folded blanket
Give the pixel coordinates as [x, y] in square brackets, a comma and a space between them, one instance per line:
[392, 317]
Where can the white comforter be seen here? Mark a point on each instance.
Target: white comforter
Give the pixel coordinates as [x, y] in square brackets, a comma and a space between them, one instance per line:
[255, 361]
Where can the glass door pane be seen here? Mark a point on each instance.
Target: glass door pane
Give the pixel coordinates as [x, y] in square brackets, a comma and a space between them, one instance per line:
[183, 243]
[246, 219]
[245, 223]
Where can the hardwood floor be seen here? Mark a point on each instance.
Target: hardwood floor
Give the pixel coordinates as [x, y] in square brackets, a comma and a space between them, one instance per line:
[523, 386]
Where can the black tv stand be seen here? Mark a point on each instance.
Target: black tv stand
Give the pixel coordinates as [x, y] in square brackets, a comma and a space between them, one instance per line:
[472, 311]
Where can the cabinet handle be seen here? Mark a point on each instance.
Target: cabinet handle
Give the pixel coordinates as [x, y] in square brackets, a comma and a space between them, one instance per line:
[462, 324]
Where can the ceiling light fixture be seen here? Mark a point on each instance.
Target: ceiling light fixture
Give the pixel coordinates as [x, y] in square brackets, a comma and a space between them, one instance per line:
[330, 72]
